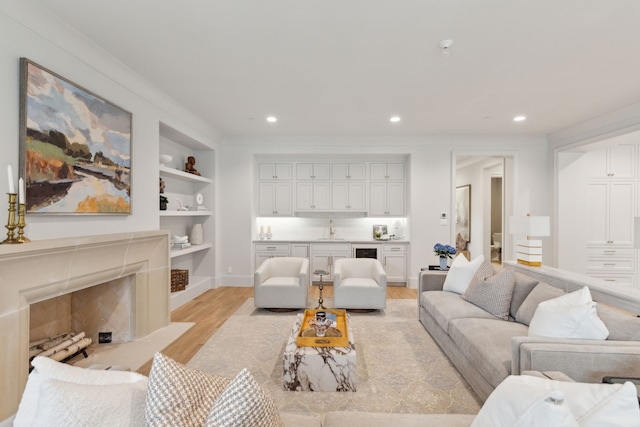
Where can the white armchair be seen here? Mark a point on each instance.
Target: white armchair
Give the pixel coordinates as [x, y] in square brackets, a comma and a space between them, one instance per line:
[359, 283]
[281, 282]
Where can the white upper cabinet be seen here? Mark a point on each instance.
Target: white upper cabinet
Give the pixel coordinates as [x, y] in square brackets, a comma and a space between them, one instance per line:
[348, 171]
[313, 196]
[614, 161]
[274, 199]
[386, 199]
[275, 171]
[387, 171]
[348, 196]
[312, 171]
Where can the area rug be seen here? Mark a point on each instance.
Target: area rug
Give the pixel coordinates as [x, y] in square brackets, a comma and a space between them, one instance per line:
[400, 368]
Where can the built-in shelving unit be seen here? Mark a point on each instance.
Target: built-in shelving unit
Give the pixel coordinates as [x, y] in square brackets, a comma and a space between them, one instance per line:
[183, 213]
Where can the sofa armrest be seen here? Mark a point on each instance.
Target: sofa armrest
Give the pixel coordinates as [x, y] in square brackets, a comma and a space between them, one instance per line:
[431, 280]
[582, 360]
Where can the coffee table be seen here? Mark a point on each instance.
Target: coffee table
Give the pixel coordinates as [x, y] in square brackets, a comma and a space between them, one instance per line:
[318, 368]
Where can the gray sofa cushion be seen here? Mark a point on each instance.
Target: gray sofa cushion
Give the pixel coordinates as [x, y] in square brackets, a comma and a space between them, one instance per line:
[521, 290]
[444, 306]
[541, 292]
[488, 341]
[622, 326]
[493, 293]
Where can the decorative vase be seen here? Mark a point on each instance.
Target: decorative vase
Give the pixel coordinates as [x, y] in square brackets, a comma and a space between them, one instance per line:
[197, 236]
[443, 263]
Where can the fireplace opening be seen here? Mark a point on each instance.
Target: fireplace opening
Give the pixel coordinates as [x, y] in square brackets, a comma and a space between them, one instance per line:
[84, 314]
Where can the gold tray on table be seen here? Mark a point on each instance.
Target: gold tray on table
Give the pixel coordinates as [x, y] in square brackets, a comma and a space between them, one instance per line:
[335, 337]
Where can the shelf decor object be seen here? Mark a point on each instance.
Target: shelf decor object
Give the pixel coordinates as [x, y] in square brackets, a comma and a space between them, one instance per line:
[197, 235]
[67, 174]
[529, 251]
[11, 220]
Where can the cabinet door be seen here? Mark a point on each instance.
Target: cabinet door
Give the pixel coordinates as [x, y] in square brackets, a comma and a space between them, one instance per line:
[321, 196]
[395, 198]
[266, 198]
[339, 171]
[378, 171]
[283, 171]
[304, 196]
[283, 199]
[304, 170]
[597, 209]
[357, 196]
[339, 196]
[357, 171]
[300, 250]
[621, 161]
[395, 265]
[321, 171]
[621, 212]
[395, 171]
[377, 199]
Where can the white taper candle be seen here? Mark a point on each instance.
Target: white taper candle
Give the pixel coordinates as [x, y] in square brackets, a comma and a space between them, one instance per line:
[12, 188]
[21, 191]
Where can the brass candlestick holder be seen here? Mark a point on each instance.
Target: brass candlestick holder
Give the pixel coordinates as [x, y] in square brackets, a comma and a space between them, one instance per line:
[320, 300]
[11, 220]
[22, 208]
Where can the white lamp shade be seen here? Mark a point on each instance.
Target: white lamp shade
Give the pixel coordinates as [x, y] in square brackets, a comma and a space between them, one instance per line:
[537, 226]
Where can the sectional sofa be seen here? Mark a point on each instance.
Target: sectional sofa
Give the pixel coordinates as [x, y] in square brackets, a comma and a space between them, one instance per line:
[486, 349]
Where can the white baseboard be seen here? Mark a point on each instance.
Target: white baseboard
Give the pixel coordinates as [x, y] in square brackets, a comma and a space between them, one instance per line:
[196, 286]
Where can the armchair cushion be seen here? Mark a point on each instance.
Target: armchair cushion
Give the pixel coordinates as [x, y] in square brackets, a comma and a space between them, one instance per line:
[281, 282]
[359, 283]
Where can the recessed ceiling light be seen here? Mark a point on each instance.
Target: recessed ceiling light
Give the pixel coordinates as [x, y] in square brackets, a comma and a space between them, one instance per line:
[394, 119]
[272, 119]
[519, 118]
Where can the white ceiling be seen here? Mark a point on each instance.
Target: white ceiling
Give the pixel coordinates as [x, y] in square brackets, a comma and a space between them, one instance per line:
[329, 67]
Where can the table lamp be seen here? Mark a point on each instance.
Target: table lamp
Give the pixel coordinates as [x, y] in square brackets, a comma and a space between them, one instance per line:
[529, 251]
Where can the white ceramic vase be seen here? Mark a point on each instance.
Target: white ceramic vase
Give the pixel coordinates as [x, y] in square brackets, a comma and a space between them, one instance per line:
[197, 236]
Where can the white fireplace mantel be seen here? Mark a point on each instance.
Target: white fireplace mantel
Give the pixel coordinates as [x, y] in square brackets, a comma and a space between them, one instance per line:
[36, 271]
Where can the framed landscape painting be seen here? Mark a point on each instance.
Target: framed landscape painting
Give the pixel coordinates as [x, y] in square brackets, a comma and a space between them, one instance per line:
[75, 147]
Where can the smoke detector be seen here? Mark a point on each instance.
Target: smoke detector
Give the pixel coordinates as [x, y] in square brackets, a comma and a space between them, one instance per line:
[444, 46]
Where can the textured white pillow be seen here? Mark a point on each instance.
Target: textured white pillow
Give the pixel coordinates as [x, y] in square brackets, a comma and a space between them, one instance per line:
[46, 368]
[572, 315]
[516, 403]
[64, 404]
[244, 403]
[460, 274]
[592, 405]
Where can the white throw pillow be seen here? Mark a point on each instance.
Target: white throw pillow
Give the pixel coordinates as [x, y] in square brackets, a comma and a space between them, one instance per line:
[591, 405]
[64, 404]
[572, 315]
[46, 368]
[460, 274]
[515, 403]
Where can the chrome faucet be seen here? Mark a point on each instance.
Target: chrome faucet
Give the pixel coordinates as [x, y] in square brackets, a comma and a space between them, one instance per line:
[332, 230]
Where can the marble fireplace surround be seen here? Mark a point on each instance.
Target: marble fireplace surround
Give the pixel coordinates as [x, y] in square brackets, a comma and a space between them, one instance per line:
[36, 271]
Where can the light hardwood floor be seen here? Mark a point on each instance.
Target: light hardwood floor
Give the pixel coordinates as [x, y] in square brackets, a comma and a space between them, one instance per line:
[211, 309]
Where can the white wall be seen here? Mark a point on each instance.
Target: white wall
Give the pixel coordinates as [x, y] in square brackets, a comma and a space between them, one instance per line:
[28, 30]
[430, 191]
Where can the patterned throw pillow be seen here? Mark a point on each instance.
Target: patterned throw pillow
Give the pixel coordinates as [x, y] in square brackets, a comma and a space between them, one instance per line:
[482, 273]
[179, 395]
[244, 403]
[493, 294]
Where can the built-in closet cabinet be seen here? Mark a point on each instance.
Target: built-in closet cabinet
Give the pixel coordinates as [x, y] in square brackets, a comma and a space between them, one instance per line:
[611, 207]
[191, 202]
[387, 171]
[386, 199]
